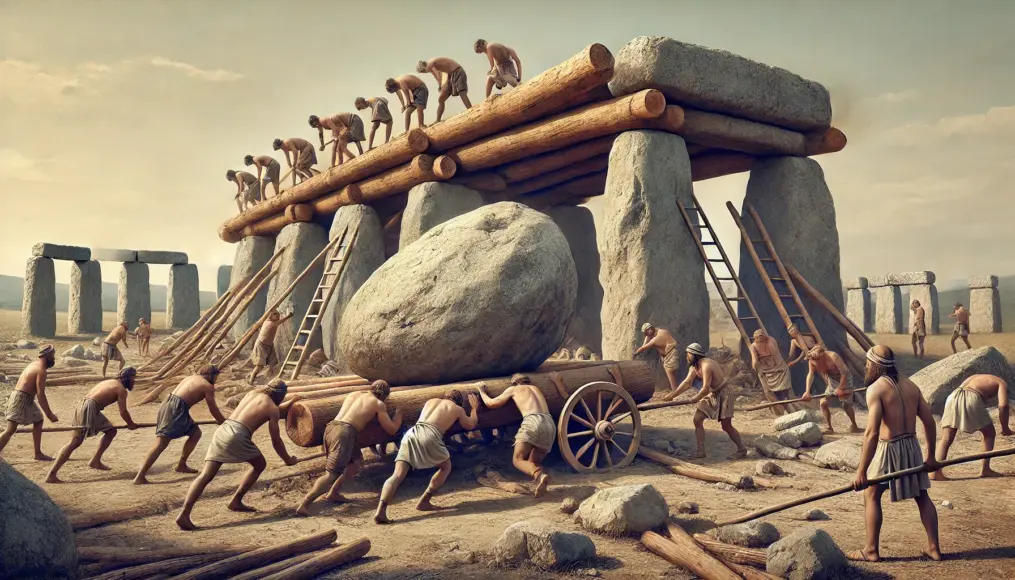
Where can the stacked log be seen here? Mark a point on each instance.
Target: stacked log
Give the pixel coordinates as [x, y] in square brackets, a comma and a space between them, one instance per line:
[260, 557]
[560, 159]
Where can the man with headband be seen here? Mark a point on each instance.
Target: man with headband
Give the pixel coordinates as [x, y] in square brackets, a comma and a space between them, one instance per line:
[772, 369]
[838, 380]
[89, 420]
[21, 407]
[889, 444]
[174, 420]
[663, 342]
[966, 411]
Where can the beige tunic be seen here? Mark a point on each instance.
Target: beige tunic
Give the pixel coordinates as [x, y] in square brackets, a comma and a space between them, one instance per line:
[21, 408]
[774, 372]
[902, 452]
[422, 447]
[232, 443]
[671, 358]
[718, 405]
[966, 411]
[538, 430]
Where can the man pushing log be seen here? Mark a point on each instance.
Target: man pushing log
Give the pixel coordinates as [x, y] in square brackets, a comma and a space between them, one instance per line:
[663, 342]
[537, 431]
[715, 400]
[21, 407]
[379, 114]
[303, 157]
[839, 382]
[966, 411]
[109, 348]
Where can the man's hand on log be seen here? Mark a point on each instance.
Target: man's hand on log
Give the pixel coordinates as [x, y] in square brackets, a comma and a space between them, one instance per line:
[290, 460]
[473, 401]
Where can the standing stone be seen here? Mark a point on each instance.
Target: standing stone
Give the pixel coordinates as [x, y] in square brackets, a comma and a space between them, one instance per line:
[84, 312]
[133, 295]
[38, 304]
[365, 256]
[580, 230]
[796, 208]
[302, 242]
[183, 306]
[650, 269]
[225, 273]
[984, 305]
[252, 253]
[888, 313]
[433, 203]
[858, 304]
[927, 295]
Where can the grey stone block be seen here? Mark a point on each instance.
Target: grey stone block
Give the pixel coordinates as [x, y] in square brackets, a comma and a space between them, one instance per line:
[878, 281]
[183, 304]
[858, 308]
[302, 242]
[112, 255]
[938, 380]
[908, 278]
[225, 273]
[984, 310]
[434, 203]
[84, 311]
[38, 305]
[252, 253]
[856, 283]
[987, 281]
[927, 295]
[888, 314]
[806, 554]
[579, 228]
[57, 252]
[134, 294]
[161, 257]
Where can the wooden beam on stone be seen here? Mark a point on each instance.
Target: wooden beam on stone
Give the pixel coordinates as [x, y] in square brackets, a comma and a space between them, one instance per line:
[481, 181]
[578, 169]
[732, 553]
[725, 132]
[560, 159]
[420, 169]
[680, 549]
[718, 163]
[299, 212]
[591, 185]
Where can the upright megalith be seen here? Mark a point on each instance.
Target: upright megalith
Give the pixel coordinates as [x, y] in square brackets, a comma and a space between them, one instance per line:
[222, 280]
[38, 305]
[649, 268]
[84, 312]
[252, 253]
[858, 303]
[365, 256]
[579, 228]
[984, 305]
[183, 303]
[302, 243]
[433, 203]
[133, 294]
[888, 312]
[921, 287]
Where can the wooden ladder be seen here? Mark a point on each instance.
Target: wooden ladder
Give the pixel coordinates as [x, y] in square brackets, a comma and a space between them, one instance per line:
[311, 323]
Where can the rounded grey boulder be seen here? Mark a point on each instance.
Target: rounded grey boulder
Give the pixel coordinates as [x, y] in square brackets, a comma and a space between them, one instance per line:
[488, 293]
[36, 540]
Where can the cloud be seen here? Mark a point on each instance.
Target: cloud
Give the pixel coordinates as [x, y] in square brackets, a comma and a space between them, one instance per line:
[215, 76]
[995, 122]
[18, 167]
[896, 98]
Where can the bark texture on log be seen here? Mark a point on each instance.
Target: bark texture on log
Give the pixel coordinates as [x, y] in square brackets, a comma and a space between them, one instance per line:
[260, 557]
[684, 552]
[325, 562]
[560, 159]
[265, 571]
[483, 181]
[128, 556]
[272, 225]
[299, 212]
[546, 180]
[732, 553]
[696, 471]
[167, 566]
[721, 131]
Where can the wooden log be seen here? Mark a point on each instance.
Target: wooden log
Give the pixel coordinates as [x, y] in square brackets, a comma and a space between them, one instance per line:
[230, 323]
[663, 405]
[195, 331]
[814, 294]
[419, 169]
[749, 573]
[260, 557]
[588, 122]
[830, 141]
[528, 168]
[681, 549]
[326, 561]
[670, 121]
[306, 420]
[271, 225]
[725, 132]
[299, 212]
[357, 382]
[265, 571]
[696, 471]
[483, 181]
[167, 566]
[719, 163]
[575, 170]
[563, 86]
[129, 556]
[798, 400]
[591, 185]
[732, 553]
[322, 380]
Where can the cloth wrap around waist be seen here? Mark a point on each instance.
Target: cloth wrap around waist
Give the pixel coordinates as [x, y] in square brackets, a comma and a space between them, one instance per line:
[379, 111]
[174, 420]
[832, 383]
[88, 416]
[961, 329]
[538, 430]
[232, 443]
[21, 408]
[504, 68]
[264, 354]
[422, 447]
[458, 82]
[902, 452]
[774, 372]
[966, 411]
[420, 94]
[718, 404]
[671, 358]
[111, 352]
[340, 446]
[307, 158]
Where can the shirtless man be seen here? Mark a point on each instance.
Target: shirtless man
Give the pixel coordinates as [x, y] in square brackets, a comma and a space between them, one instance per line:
[303, 157]
[264, 347]
[889, 445]
[233, 443]
[455, 82]
[837, 378]
[799, 342]
[143, 336]
[174, 420]
[109, 349]
[537, 431]
[715, 400]
[379, 114]
[663, 342]
[961, 316]
[344, 456]
[89, 420]
[919, 330]
[767, 361]
[248, 189]
[966, 411]
[505, 66]
[345, 128]
[422, 447]
[413, 93]
[21, 407]
[266, 165]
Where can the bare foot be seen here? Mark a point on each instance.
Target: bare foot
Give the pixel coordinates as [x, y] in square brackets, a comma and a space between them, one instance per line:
[862, 556]
[424, 505]
[53, 479]
[302, 511]
[381, 518]
[42, 457]
[740, 454]
[933, 554]
[938, 476]
[141, 480]
[184, 523]
[336, 497]
[544, 481]
[237, 506]
[699, 454]
[185, 469]
[99, 465]
[988, 472]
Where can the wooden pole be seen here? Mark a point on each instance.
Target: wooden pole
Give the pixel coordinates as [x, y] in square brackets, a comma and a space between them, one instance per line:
[872, 481]
[684, 552]
[662, 404]
[167, 566]
[731, 553]
[829, 141]
[575, 170]
[482, 181]
[208, 314]
[74, 428]
[749, 573]
[695, 471]
[265, 571]
[229, 324]
[356, 382]
[260, 557]
[322, 380]
[858, 335]
[533, 166]
[799, 400]
[325, 562]
[129, 556]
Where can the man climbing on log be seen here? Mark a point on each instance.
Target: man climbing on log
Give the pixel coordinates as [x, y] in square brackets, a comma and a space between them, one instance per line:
[799, 342]
[919, 331]
[21, 407]
[344, 456]
[422, 447]
[303, 157]
[109, 348]
[174, 420]
[966, 411]
[89, 420]
[961, 316]
[266, 166]
[537, 431]
[345, 128]
[263, 354]
[413, 93]
[379, 114]
[454, 84]
[505, 66]
[663, 342]
[248, 188]
[233, 443]
[838, 382]
[715, 399]
[889, 445]
[772, 369]
[143, 336]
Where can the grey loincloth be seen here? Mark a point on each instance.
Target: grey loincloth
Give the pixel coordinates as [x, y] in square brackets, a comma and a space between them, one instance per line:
[232, 443]
[307, 159]
[505, 68]
[422, 447]
[538, 430]
[174, 419]
[272, 172]
[264, 354]
[340, 445]
[458, 82]
[420, 94]
[900, 453]
[21, 408]
[961, 329]
[111, 352]
[89, 418]
[966, 411]
[718, 404]
[354, 132]
[379, 111]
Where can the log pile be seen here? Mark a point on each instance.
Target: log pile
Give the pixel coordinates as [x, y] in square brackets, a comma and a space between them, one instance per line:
[705, 557]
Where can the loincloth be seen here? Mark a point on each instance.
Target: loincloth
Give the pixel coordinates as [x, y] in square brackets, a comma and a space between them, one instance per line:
[232, 443]
[90, 419]
[458, 82]
[264, 354]
[966, 411]
[671, 358]
[111, 352]
[718, 405]
[961, 329]
[307, 158]
[340, 445]
[774, 373]
[272, 172]
[174, 419]
[850, 398]
[379, 111]
[900, 453]
[21, 408]
[354, 132]
[422, 447]
[920, 329]
[538, 430]
[420, 94]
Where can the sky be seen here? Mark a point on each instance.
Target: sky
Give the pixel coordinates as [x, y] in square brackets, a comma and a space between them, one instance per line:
[118, 119]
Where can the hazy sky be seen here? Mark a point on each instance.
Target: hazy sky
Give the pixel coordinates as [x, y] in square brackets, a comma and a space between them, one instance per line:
[118, 119]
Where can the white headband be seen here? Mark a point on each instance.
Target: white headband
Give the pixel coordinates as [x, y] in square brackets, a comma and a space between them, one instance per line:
[878, 359]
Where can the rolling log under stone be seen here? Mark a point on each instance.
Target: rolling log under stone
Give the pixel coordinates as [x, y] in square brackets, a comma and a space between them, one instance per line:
[299, 212]
[306, 421]
[732, 553]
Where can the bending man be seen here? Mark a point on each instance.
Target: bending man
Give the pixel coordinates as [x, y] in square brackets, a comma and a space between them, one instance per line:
[21, 407]
[413, 93]
[537, 431]
[663, 342]
[838, 381]
[269, 167]
[966, 411]
[303, 157]
[505, 66]
[454, 84]
[379, 114]
[109, 348]
[961, 316]
[715, 399]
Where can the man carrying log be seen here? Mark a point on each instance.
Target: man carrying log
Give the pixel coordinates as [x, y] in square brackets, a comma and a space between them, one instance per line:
[715, 399]
[143, 336]
[537, 431]
[966, 411]
[890, 445]
[422, 447]
[264, 347]
[233, 443]
[663, 342]
[379, 114]
[919, 331]
[799, 342]
[961, 316]
[413, 93]
[767, 361]
[89, 420]
[268, 166]
[505, 66]
[248, 188]
[344, 456]
[303, 157]
[455, 82]
[109, 349]
[345, 128]
[838, 381]
[21, 407]
[174, 420]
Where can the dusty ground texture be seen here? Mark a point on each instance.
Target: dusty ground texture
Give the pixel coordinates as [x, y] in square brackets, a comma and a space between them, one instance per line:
[977, 535]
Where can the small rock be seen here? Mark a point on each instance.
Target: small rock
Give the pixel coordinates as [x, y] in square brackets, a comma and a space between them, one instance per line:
[687, 507]
[24, 344]
[92, 355]
[769, 447]
[790, 420]
[96, 341]
[569, 505]
[947, 505]
[73, 362]
[805, 555]
[317, 358]
[590, 572]
[768, 468]
[76, 351]
[630, 509]
[460, 558]
[816, 516]
[3, 378]
[801, 435]
[842, 454]
[538, 542]
[749, 535]
[726, 487]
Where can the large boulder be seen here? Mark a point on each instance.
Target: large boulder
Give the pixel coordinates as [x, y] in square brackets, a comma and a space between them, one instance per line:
[807, 554]
[938, 380]
[783, 422]
[36, 540]
[76, 351]
[619, 511]
[756, 534]
[538, 542]
[801, 436]
[843, 454]
[487, 293]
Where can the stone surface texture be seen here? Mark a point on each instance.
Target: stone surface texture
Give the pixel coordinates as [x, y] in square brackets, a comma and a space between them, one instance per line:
[783, 422]
[984, 310]
[888, 313]
[57, 252]
[803, 435]
[302, 243]
[771, 447]
[114, 255]
[36, 540]
[807, 554]
[939, 379]
[133, 294]
[756, 534]
[843, 454]
[84, 310]
[539, 542]
[910, 278]
[858, 308]
[857, 283]
[988, 281]
[183, 303]
[38, 304]
[161, 257]
[252, 253]
[618, 511]
[224, 274]
[579, 228]
[433, 203]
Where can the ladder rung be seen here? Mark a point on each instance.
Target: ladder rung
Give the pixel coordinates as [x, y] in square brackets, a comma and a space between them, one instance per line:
[312, 315]
[324, 287]
[290, 363]
[305, 332]
[796, 315]
[777, 279]
[757, 241]
[716, 260]
[710, 243]
[747, 318]
[700, 226]
[730, 279]
[317, 300]
[767, 260]
[785, 296]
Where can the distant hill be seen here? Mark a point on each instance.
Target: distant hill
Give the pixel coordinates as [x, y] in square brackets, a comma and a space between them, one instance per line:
[12, 290]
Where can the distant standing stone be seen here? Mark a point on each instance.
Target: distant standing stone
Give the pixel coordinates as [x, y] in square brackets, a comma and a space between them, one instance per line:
[38, 305]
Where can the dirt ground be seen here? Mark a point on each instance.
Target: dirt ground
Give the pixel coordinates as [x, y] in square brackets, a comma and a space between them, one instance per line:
[978, 535]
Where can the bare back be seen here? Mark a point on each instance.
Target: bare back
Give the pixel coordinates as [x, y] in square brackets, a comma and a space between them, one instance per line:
[962, 315]
[498, 52]
[267, 333]
[409, 82]
[443, 64]
[529, 399]
[829, 364]
[193, 389]
[663, 341]
[254, 410]
[28, 381]
[441, 413]
[358, 409]
[711, 374]
[987, 386]
[106, 393]
[116, 335]
[295, 144]
[900, 405]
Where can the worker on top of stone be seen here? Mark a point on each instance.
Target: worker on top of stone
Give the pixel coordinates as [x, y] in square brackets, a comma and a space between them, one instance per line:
[772, 369]
[345, 128]
[264, 354]
[248, 188]
[413, 93]
[303, 157]
[537, 431]
[919, 330]
[966, 411]
[379, 114]
[715, 399]
[961, 316]
[268, 167]
[21, 407]
[109, 348]
[143, 336]
[505, 66]
[838, 382]
[798, 342]
[663, 342]
[454, 84]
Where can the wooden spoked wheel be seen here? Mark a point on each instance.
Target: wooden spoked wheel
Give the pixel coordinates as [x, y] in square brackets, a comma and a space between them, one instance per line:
[599, 428]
